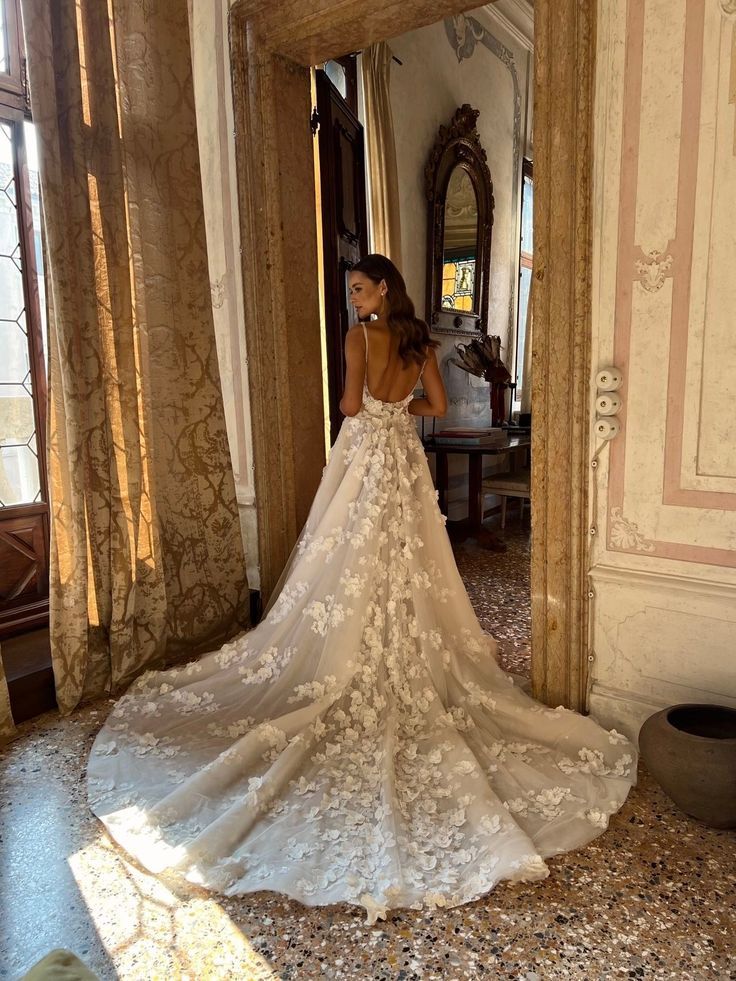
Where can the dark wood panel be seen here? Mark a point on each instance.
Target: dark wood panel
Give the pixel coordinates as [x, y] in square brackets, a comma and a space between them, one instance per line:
[24, 574]
[344, 224]
[27, 664]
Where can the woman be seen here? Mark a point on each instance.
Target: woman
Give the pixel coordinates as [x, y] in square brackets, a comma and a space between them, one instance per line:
[361, 744]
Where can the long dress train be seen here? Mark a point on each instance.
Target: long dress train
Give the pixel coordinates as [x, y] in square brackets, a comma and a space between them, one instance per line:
[361, 744]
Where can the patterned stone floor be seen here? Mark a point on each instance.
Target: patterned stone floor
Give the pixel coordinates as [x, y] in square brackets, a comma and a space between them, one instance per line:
[654, 897]
[498, 586]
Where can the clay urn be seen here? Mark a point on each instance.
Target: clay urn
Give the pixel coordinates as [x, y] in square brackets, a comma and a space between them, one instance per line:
[690, 750]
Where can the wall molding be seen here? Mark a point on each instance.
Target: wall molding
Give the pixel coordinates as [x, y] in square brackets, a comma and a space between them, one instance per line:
[624, 533]
[648, 579]
[627, 696]
[622, 709]
[516, 17]
[464, 34]
[628, 710]
[649, 272]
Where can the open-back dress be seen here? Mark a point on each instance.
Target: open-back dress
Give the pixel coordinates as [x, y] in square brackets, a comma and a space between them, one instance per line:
[361, 743]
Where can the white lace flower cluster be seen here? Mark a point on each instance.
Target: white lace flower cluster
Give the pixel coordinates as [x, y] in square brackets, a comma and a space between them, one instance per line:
[592, 761]
[326, 615]
[288, 598]
[546, 803]
[188, 701]
[269, 663]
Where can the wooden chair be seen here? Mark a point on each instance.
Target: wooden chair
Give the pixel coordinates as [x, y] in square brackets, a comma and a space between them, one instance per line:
[515, 483]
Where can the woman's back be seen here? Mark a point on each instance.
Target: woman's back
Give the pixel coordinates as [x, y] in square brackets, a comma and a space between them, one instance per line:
[388, 378]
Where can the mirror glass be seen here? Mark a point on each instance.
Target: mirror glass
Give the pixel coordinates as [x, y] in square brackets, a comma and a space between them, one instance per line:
[460, 243]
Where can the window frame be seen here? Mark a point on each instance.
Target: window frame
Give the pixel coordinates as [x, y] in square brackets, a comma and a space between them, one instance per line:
[34, 331]
[21, 610]
[526, 260]
[14, 83]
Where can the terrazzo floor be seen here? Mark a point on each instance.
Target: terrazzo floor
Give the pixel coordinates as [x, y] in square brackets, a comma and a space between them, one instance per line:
[498, 586]
[653, 897]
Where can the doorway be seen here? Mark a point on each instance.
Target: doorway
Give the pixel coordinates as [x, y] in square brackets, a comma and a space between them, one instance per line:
[444, 151]
[342, 213]
[271, 55]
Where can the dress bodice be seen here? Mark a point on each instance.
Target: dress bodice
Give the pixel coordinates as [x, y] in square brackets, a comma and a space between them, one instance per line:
[378, 409]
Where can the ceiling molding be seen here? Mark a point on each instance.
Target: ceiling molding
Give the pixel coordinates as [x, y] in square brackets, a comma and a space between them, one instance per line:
[516, 17]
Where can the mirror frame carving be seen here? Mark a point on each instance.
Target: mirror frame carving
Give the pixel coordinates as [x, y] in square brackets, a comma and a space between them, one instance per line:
[458, 144]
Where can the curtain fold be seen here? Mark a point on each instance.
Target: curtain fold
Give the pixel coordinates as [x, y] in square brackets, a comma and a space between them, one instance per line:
[7, 726]
[382, 167]
[146, 561]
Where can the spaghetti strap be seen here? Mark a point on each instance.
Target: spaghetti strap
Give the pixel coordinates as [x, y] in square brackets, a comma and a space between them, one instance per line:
[365, 336]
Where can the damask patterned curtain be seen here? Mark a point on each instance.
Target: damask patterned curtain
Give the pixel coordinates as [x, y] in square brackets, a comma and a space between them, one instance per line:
[7, 727]
[382, 168]
[146, 554]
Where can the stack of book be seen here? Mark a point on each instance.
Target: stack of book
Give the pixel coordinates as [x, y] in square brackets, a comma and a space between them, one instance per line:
[465, 436]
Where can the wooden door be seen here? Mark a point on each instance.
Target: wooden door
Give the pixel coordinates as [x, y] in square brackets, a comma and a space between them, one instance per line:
[344, 224]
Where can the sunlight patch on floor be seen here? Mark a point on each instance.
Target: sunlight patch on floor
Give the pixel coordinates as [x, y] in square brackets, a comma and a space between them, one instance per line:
[149, 931]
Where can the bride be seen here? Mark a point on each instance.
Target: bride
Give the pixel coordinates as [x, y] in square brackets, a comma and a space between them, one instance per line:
[361, 744]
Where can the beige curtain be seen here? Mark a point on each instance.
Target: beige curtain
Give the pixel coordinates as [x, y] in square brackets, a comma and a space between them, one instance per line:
[7, 727]
[146, 555]
[379, 127]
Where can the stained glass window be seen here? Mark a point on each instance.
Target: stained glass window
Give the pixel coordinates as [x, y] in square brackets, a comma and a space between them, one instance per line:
[458, 284]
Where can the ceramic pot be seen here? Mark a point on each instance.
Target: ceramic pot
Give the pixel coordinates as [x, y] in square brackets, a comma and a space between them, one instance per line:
[690, 750]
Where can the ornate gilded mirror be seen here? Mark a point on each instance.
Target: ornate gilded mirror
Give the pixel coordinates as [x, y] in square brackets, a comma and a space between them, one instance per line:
[460, 199]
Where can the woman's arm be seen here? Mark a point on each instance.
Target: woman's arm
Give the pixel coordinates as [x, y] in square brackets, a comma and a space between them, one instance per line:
[352, 396]
[434, 402]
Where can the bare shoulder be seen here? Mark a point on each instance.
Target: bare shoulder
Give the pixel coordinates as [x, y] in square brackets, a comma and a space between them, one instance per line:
[431, 365]
[380, 332]
[354, 339]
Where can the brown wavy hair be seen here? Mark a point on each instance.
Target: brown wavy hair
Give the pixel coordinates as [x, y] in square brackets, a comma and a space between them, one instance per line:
[413, 333]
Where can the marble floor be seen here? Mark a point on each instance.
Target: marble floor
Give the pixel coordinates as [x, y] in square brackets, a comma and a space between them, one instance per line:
[498, 586]
[653, 897]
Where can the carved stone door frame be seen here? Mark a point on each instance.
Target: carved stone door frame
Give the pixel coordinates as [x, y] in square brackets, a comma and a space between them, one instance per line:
[272, 48]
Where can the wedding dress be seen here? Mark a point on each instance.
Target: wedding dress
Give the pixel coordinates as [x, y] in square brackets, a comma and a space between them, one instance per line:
[360, 744]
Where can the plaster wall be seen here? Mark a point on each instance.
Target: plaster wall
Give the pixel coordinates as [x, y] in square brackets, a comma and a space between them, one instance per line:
[477, 58]
[663, 564]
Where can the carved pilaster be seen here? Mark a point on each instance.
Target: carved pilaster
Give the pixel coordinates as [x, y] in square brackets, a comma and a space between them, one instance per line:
[563, 114]
[273, 141]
